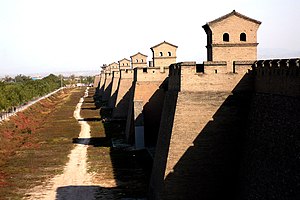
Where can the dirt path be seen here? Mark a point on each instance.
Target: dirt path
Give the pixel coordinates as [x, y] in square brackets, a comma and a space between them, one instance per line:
[75, 182]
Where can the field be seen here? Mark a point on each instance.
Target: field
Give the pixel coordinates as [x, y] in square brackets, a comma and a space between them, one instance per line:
[35, 145]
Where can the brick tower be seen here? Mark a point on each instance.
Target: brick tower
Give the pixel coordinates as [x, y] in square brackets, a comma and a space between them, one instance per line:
[232, 37]
[164, 54]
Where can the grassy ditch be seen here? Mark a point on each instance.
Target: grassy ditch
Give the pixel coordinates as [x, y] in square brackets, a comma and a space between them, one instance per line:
[119, 171]
[34, 144]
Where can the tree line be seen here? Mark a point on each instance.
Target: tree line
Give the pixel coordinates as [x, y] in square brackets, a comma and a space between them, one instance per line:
[24, 89]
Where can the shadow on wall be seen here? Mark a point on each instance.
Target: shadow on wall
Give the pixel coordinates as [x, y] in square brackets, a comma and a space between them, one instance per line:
[97, 97]
[113, 98]
[149, 118]
[209, 169]
[106, 94]
[152, 112]
[121, 109]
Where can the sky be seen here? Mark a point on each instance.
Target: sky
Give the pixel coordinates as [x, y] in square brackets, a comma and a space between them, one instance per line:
[52, 36]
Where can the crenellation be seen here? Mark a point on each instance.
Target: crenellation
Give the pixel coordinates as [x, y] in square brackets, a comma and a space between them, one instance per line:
[149, 74]
[126, 73]
[277, 77]
[215, 67]
[242, 67]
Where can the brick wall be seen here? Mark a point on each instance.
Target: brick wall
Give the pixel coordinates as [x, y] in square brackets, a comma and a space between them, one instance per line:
[107, 87]
[236, 123]
[123, 95]
[102, 83]
[114, 89]
[96, 81]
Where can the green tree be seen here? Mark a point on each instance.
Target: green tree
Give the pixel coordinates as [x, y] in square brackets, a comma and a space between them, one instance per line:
[21, 78]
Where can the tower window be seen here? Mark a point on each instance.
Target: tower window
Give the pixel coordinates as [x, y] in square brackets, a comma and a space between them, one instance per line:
[169, 53]
[243, 37]
[226, 37]
[137, 60]
[123, 64]
[142, 60]
[161, 53]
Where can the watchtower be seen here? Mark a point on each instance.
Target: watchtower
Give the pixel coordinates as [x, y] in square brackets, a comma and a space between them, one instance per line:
[232, 37]
[114, 66]
[139, 60]
[124, 64]
[164, 54]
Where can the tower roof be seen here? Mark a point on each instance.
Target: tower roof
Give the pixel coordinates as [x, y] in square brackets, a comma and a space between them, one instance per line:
[229, 15]
[114, 63]
[164, 42]
[125, 59]
[138, 53]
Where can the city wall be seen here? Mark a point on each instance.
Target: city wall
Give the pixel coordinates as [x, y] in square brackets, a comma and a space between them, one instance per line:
[269, 164]
[191, 102]
[215, 125]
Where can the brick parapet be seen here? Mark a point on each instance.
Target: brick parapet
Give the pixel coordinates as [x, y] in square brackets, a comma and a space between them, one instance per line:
[127, 73]
[149, 74]
[214, 67]
[279, 77]
[184, 77]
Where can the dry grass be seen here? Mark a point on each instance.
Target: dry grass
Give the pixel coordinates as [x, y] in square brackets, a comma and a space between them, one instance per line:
[36, 143]
[111, 165]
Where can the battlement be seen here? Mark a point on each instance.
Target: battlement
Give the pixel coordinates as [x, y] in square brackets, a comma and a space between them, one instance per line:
[214, 67]
[279, 77]
[149, 74]
[126, 73]
[292, 65]
[186, 76]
